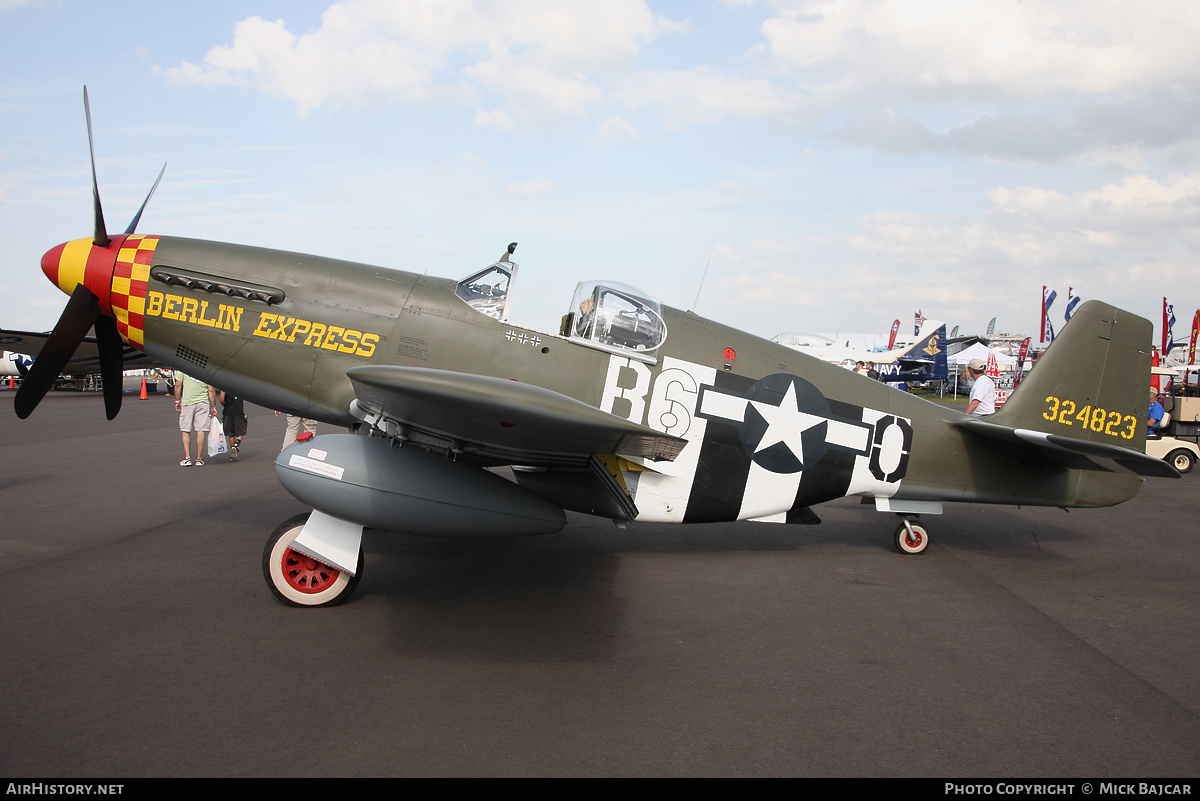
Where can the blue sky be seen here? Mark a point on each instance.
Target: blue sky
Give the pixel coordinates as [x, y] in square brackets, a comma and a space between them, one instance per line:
[835, 164]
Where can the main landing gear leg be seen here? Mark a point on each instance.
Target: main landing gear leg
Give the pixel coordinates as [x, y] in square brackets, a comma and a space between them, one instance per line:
[297, 579]
[911, 537]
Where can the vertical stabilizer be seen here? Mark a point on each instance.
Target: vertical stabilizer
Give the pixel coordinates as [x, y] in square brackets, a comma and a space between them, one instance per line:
[933, 347]
[925, 360]
[1093, 383]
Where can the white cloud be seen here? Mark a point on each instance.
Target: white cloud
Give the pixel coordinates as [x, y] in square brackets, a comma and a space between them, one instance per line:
[727, 252]
[539, 57]
[999, 48]
[769, 288]
[1011, 80]
[497, 120]
[1139, 214]
[1116, 133]
[614, 128]
[530, 188]
[1095, 240]
[1128, 242]
[342, 63]
[704, 96]
[1102, 80]
[537, 91]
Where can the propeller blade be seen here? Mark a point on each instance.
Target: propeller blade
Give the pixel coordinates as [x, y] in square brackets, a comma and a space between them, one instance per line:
[137, 217]
[101, 239]
[112, 363]
[77, 318]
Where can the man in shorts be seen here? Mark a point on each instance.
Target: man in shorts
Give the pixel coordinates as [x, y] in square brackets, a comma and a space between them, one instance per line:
[195, 402]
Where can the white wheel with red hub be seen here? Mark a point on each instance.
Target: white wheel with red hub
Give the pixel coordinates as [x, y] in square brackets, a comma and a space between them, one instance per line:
[914, 541]
[299, 580]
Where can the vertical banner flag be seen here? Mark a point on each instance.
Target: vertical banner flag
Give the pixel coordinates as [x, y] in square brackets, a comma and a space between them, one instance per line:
[1048, 296]
[892, 338]
[993, 366]
[993, 371]
[954, 333]
[1018, 375]
[918, 321]
[1168, 339]
[1195, 335]
[992, 327]
[1072, 302]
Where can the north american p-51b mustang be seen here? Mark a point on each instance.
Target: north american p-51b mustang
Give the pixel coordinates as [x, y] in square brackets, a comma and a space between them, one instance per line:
[632, 410]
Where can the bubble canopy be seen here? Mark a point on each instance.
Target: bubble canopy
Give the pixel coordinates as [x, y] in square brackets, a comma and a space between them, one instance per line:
[615, 317]
[488, 291]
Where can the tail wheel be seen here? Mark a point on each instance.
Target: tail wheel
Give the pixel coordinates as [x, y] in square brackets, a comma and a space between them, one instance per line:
[913, 543]
[1181, 460]
[297, 579]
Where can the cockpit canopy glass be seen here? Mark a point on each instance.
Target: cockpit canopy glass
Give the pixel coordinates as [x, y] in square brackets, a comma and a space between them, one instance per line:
[488, 290]
[615, 317]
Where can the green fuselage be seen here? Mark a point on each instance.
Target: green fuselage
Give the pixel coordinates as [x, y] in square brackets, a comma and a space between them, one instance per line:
[292, 356]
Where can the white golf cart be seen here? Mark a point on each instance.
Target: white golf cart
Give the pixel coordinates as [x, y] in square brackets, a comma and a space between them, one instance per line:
[1179, 444]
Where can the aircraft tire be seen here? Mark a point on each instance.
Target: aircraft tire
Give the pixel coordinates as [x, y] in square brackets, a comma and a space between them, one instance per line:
[905, 544]
[1181, 460]
[298, 580]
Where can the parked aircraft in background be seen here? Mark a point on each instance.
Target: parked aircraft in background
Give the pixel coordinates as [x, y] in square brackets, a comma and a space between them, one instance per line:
[23, 347]
[632, 410]
[13, 364]
[924, 360]
[870, 342]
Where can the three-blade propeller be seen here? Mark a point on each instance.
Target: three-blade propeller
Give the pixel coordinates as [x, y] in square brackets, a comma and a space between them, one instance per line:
[81, 314]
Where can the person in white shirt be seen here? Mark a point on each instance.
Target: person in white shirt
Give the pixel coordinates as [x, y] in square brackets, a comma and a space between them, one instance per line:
[983, 391]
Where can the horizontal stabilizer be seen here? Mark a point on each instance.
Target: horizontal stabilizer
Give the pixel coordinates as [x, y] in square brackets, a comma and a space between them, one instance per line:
[507, 420]
[1077, 454]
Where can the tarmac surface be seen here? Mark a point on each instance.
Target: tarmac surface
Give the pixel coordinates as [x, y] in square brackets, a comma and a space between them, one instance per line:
[140, 639]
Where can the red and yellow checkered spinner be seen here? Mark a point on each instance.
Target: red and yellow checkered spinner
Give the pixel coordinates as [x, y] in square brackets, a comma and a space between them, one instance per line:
[115, 273]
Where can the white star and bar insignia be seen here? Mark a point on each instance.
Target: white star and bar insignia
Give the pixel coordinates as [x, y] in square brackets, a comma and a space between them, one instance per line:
[795, 432]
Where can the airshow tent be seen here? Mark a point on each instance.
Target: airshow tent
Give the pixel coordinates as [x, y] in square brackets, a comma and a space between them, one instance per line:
[980, 351]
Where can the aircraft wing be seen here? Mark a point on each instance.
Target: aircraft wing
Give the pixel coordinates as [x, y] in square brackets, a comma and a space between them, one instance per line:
[1074, 453]
[508, 421]
[86, 360]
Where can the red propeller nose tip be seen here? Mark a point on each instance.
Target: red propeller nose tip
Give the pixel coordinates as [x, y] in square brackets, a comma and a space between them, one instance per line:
[81, 262]
[51, 260]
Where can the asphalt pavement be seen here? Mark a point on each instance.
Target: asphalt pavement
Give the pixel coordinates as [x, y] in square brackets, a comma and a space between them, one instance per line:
[140, 639]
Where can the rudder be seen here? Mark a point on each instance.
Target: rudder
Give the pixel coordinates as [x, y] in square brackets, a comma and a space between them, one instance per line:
[935, 347]
[1092, 383]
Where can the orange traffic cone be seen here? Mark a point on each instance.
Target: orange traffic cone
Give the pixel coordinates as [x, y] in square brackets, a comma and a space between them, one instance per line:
[12, 382]
[143, 395]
